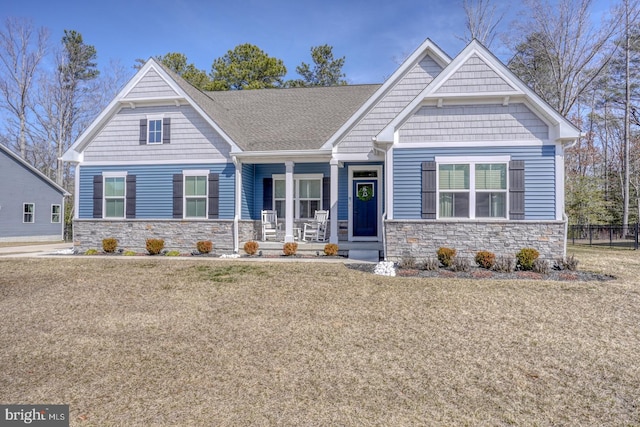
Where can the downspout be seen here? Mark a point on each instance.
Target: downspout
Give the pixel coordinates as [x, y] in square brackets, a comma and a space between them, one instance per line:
[384, 236]
[564, 214]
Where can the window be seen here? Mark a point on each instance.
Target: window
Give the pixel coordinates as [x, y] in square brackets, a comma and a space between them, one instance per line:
[472, 190]
[114, 197]
[155, 131]
[28, 212]
[307, 195]
[195, 196]
[55, 214]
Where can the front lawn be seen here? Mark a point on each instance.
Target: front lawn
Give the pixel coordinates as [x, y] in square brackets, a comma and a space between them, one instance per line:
[161, 341]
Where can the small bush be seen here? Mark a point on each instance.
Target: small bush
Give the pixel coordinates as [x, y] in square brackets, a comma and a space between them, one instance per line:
[130, 253]
[525, 258]
[251, 247]
[172, 253]
[408, 262]
[155, 246]
[109, 245]
[503, 264]
[430, 264]
[331, 249]
[290, 248]
[540, 266]
[91, 252]
[204, 246]
[446, 256]
[485, 259]
[567, 263]
[461, 264]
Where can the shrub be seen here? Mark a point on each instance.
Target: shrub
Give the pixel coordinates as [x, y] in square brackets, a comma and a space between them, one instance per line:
[540, 266]
[446, 256]
[91, 252]
[503, 264]
[485, 259]
[525, 258]
[109, 245]
[172, 253]
[407, 262]
[155, 246]
[331, 249]
[461, 264]
[566, 263]
[430, 264]
[251, 247]
[290, 248]
[204, 246]
[130, 253]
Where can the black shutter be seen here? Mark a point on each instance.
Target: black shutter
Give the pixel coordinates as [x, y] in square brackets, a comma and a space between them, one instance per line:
[166, 130]
[130, 210]
[326, 193]
[97, 196]
[516, 189]
[214, 196]
[429, 189]
[267, 193]
[143, 132]
[177, 195]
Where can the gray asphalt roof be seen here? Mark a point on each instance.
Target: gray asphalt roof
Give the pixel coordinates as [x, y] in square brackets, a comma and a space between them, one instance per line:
[280, 119]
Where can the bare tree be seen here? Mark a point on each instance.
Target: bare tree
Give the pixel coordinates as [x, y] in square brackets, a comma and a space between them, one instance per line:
[21, 52]
[482, 21]
[561, 51]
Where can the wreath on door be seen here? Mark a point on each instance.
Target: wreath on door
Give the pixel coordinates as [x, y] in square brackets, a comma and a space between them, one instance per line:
[365, 192]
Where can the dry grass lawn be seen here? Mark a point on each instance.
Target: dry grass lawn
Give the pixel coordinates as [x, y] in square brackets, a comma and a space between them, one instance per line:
[176, 342]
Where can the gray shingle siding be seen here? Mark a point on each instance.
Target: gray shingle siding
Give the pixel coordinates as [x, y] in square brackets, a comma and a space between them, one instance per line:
[151, 86]
[475, 76]
[515, 122]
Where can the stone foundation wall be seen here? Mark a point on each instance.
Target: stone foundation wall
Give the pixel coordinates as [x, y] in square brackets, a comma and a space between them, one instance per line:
[422, 238]
[177, 234]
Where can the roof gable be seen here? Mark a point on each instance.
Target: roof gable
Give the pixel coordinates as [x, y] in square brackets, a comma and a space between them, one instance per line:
[460, 81]
[9, 154]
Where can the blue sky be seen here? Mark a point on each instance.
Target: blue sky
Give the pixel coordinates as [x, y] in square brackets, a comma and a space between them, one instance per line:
[373, 35]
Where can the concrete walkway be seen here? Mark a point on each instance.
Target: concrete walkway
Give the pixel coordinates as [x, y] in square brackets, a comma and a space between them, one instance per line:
[22, 250]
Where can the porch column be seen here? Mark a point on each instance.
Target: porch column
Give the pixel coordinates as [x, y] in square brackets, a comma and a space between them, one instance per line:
[289, 211]
[333, 214]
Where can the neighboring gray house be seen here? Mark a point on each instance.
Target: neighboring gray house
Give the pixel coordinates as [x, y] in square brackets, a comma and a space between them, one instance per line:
[31, 205]
[446, 152]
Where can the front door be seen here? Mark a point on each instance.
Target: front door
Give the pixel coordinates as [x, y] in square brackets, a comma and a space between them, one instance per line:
[365, 206]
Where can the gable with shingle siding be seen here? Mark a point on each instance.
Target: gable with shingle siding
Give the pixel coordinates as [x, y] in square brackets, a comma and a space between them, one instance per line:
[418, 77]
[475, 76]
[151, 85]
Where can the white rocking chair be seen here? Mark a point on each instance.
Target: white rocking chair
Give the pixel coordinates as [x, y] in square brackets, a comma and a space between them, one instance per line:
[269, 225]
[316, 230]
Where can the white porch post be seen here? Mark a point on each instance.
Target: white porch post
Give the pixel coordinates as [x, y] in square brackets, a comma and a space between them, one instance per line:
[289, 205]
[238, 205]
[333, 214]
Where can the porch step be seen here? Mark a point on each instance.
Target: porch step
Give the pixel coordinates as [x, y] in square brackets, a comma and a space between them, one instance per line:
[367, 255]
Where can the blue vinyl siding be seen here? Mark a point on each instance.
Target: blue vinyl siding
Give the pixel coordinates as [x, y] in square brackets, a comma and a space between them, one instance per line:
[154, 188]
[539, 177]
[248, 192]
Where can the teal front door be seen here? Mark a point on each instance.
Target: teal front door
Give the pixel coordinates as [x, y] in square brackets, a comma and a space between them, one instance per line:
[365, 208]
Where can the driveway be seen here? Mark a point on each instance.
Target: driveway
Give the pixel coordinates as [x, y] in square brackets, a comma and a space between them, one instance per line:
[22, 250]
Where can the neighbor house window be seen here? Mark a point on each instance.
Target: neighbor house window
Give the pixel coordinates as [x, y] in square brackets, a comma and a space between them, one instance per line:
[155, 131]
[114, 196]
[195, 196]
[55, 214]
[28, 212]
[472, 190]
[307, 194]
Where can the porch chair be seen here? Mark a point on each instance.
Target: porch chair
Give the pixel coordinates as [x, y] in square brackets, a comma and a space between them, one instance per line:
[269, 224]
[316, 230]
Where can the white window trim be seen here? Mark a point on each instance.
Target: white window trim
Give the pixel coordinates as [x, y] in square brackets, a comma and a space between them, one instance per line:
[296, 191]
[189, 173]
[33, 213]
[472, 162]
[104, 196]
[151, 118]
[59, 213]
